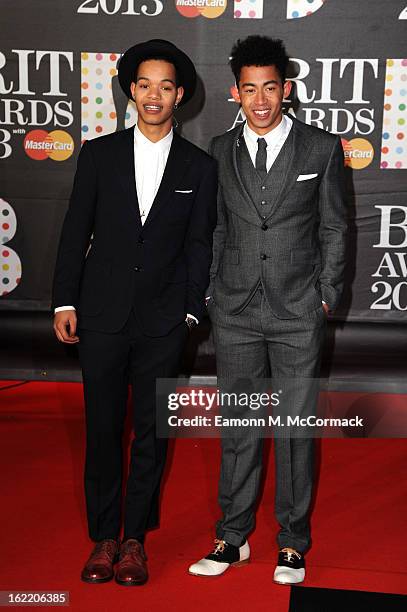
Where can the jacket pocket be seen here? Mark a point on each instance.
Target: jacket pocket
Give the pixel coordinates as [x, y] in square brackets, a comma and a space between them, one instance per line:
[305, 256]
[95, 286]
[174, 274]
[231, 255]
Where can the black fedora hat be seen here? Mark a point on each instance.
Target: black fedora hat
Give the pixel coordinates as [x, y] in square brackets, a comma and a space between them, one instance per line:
[161, 49]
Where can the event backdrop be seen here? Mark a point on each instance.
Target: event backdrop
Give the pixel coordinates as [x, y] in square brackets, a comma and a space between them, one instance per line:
[58, 87]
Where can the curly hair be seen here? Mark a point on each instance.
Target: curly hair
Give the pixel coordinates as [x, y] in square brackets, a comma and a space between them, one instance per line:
[259, 51]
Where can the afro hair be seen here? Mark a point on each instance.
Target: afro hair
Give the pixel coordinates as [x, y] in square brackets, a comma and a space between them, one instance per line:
[259, 51]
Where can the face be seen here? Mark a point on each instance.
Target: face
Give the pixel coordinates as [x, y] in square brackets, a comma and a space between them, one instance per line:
[261, 93]
[155, 92]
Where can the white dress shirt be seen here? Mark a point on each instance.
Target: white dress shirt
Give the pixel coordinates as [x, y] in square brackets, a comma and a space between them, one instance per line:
[275, 140]
[150, 159]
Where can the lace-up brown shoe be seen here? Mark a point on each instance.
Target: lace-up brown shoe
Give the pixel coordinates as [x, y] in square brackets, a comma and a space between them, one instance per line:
[99, 566]
[132, 566]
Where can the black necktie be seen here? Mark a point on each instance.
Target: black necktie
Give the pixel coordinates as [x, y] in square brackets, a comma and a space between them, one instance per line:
[261, 157]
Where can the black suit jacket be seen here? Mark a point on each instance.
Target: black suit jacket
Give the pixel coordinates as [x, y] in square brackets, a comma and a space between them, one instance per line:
[161, 268]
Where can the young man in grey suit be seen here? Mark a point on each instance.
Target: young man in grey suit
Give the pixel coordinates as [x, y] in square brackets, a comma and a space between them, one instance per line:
[279, 255]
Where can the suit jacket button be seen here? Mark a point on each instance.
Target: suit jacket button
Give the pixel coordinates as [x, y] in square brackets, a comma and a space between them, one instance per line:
[263, 187]
[264, 226]
[137, 269]
[263, 256]
[263, 202]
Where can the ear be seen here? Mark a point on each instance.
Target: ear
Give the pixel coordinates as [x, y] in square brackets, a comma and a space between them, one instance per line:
[287, 89]
[133, 89]
[235, 94]
[180, 93]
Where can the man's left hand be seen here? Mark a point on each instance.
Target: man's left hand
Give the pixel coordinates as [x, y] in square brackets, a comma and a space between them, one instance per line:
[325, 307]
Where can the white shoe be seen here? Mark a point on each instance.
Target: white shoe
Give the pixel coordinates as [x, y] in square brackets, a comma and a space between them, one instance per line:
[220, 559]
[290, 567]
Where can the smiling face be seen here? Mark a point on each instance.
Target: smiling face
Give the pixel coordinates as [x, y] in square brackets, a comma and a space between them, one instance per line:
[261, 94]
[155, 93]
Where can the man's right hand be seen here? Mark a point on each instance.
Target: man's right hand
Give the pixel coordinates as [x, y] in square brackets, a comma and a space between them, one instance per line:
[65, 326]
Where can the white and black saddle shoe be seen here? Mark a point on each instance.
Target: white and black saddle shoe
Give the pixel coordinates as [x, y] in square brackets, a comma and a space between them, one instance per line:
[290, 567]
[222, 557]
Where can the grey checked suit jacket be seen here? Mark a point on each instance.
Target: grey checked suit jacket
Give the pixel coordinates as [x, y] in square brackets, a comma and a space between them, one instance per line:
[300, 257]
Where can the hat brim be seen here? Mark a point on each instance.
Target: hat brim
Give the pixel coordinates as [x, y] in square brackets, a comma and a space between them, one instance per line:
[162, 49]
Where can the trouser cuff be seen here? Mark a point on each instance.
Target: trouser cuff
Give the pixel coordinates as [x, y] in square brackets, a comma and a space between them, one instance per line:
[231, 538]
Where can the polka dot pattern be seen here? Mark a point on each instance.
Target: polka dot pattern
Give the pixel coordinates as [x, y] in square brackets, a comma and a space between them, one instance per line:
[97, 104]
[10, 263]
[248, 9]
[394, 149]
[302, 8]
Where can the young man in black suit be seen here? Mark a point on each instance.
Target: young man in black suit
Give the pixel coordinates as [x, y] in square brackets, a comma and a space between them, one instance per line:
[130, 279]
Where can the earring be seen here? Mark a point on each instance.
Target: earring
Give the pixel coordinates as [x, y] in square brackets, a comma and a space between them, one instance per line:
[175, 106]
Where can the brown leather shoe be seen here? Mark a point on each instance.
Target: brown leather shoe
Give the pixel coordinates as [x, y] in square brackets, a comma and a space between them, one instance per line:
[132, 567]
[99, 566]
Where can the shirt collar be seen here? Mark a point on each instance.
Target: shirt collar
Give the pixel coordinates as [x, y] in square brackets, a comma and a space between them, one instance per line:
[271, 137]
[161, 145]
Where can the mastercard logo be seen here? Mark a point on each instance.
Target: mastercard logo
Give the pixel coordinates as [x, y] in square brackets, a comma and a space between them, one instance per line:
[206, 8]
[57, 145]
[358, 153]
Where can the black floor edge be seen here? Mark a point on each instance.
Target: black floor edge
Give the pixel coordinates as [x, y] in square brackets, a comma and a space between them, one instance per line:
[312, 599]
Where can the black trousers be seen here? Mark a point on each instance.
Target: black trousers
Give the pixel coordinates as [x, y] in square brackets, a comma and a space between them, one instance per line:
[109, 363]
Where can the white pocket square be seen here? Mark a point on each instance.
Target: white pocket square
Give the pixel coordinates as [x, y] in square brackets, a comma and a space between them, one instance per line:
[306, 177]
[183, 191]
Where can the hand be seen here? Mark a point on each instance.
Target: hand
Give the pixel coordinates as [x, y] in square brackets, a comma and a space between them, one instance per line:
[325, 307]
[65, 326]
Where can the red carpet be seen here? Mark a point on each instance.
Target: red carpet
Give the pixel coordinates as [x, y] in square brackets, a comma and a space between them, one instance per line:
[359, 516]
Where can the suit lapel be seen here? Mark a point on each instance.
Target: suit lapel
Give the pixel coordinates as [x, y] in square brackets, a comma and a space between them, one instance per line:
[237, 143]
[125, 169]
[175, 168]
[299, 153]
